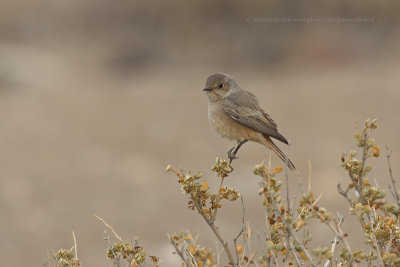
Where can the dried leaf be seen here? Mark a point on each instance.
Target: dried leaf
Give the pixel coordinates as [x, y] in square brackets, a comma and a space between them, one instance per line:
[277, 170]
[204, 186]
[303, 256]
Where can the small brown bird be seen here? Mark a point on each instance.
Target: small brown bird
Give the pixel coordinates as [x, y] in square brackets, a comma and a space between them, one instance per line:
[235, 114]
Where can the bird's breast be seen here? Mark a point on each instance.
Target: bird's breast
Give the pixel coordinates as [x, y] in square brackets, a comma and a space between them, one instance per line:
[228, 127]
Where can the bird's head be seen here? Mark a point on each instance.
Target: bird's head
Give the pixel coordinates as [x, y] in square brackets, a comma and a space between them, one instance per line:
[218, 86]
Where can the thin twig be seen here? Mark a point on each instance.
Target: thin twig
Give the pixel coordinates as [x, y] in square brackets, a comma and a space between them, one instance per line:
[218, 253]
[287, 178]
[364, 155]
[300, 182]
[316, 200]
[337, 230]
[358, 186]
[309, 175]
[214, 215]
[251, 259]
[291, 249]
[241, 231]
[48, 259]
[302, 247]
[190, 254]
[394, 192]
[75, 245]
[249, 234]
[109, 227]
[389, 244]
[344, 193]
[178, 251]
[116, 258]
[335, 240]
[216, 232]
[289, 232]
[375, 245]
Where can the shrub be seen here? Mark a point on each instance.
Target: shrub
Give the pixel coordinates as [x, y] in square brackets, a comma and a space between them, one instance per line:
[288, 237]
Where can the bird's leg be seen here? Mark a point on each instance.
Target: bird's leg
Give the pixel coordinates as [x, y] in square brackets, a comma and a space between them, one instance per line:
[232, 152]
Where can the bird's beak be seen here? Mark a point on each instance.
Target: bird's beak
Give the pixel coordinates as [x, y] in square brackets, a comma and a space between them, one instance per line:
[207, 89]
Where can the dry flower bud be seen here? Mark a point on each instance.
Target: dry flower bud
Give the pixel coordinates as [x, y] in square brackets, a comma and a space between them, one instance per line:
[198, 175]
[367, 209]
[134, 263]
[374, 124]
[328, 254]
[260, 170]
[376, 151]
[278, 246]
[239, 248]
[303, 256]
[367, 168]
[359, 143]
[288, 219]
[269, 245]
[380, 194]
[317, 251]
[370, 142]
[204, 186]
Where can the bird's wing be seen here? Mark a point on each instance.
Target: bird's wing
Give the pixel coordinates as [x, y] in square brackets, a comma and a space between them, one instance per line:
[253, 117]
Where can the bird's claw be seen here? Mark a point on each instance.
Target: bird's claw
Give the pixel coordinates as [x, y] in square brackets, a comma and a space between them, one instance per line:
[231, 156]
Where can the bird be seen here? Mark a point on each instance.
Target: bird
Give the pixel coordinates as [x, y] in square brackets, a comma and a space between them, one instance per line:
[235, 114]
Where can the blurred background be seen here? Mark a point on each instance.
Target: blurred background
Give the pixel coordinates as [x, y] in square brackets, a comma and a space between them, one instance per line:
[98, 97]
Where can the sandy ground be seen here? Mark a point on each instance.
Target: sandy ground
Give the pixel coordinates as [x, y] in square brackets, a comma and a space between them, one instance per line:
[83, 132]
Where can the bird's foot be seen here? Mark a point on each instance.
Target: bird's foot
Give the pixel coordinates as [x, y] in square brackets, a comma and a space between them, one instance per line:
[231, 155]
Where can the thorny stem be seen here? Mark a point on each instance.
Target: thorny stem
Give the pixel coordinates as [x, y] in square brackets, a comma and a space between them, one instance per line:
[291, 249]
[191, 255]
[337, 230]
[289, 232]
[304, 249]
[251, 259]
[180, 253]
[210, 218]
[216, 232]
[335, 240]
[358, 187]
[344, 193]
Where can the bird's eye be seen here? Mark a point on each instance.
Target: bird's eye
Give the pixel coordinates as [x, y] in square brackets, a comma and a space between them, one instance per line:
[220, 85]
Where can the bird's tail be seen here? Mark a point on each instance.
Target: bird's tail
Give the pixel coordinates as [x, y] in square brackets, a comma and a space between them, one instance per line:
[270, 144]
